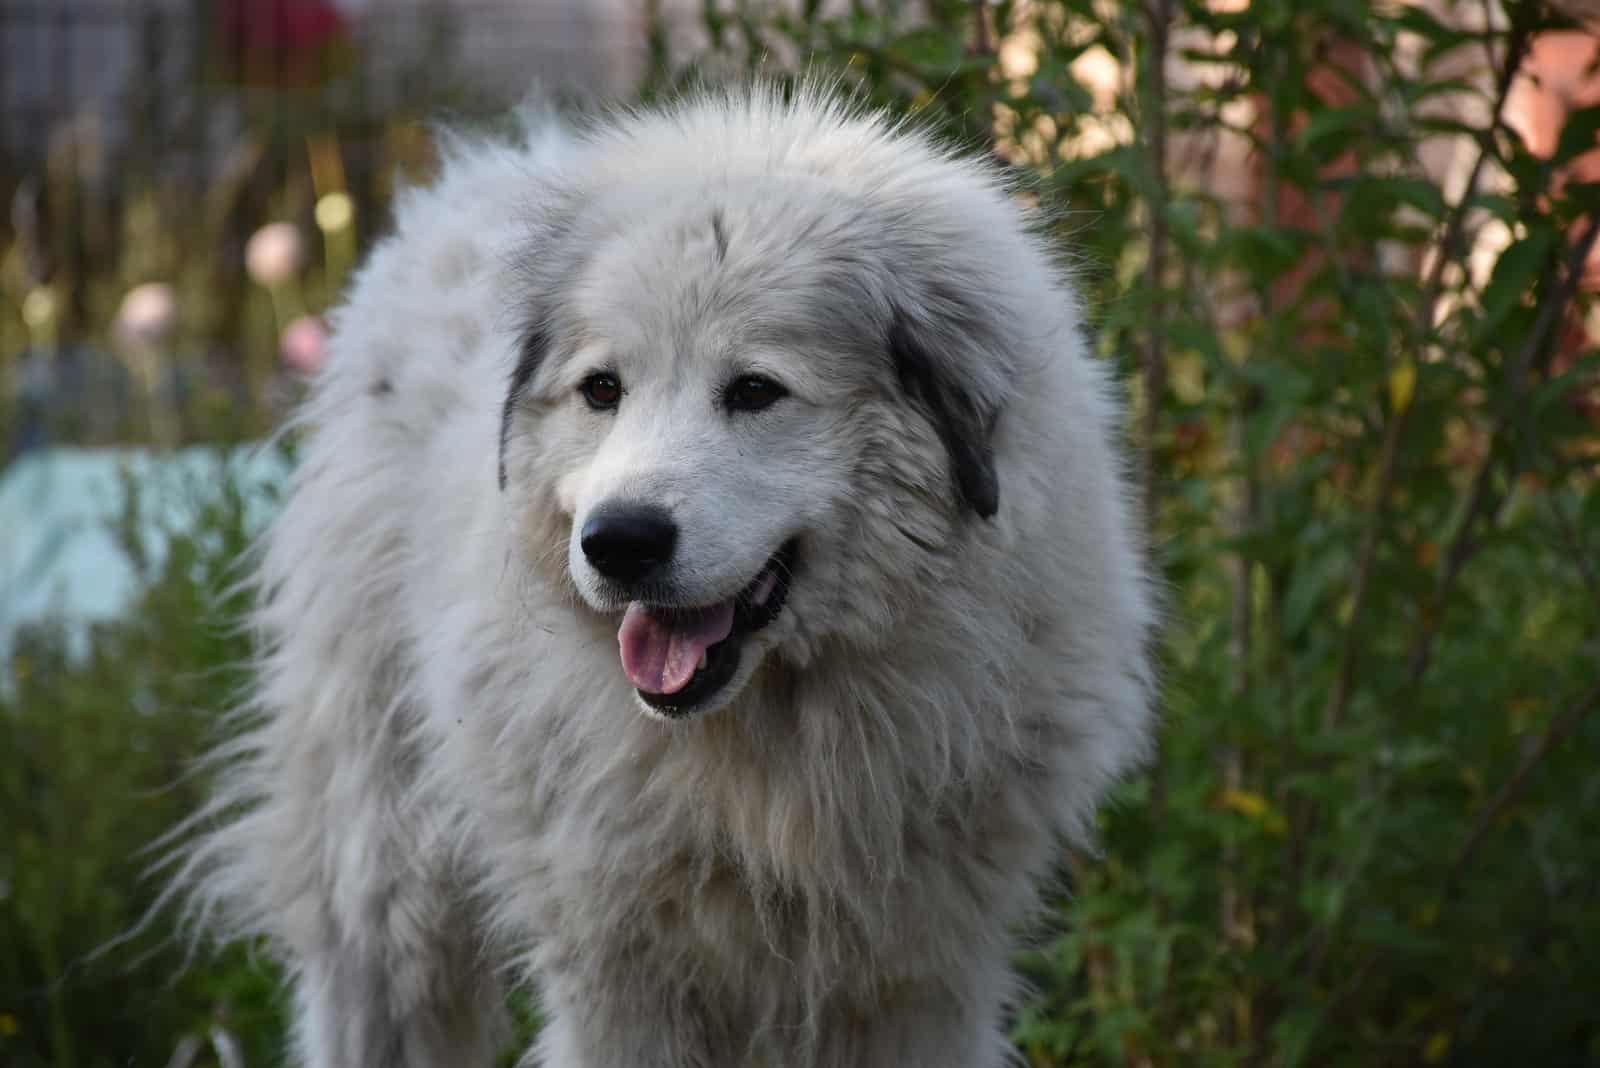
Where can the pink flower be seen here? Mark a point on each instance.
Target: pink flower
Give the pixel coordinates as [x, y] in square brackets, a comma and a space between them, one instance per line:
[147, 316]
[274, 253]
[304, 345]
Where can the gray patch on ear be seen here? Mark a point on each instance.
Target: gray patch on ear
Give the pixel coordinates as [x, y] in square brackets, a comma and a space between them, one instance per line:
[719, 233]
[964, 425]
[535, 343]
[551, 256]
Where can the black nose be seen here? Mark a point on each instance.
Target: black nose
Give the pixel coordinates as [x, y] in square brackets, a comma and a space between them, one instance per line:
[627, 542]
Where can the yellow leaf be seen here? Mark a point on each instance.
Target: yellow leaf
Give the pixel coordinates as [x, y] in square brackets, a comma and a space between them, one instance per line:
[1245, 803]
[1345, 609]
[1252, 805]
[8, 1025]
[1402, 383]
[1235, 344]
[1437, 1049]
[1186, 375]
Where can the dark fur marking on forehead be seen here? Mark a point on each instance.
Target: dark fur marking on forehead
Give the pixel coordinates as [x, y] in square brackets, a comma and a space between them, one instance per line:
[535, 343]
[963, 426]
[720, 234]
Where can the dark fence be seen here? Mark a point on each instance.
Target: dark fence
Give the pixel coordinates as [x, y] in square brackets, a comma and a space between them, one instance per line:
[145, 141]
[172, 80]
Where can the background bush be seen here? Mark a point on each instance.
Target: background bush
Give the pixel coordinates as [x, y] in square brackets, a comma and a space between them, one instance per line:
[1365, 418]
[94, 756]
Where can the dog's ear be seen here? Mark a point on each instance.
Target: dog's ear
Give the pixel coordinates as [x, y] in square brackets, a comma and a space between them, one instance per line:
[530, 354]
[551, 256]
[964, 418]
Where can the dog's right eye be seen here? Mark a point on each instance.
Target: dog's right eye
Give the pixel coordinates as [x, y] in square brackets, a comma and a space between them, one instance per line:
[602, 391]
[752, 393]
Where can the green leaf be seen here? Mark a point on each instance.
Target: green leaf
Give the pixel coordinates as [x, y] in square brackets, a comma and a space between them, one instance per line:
[1263, 251]
[1441, 38]
[1330, 130]
[1418, 193]
[929, 47]
[1515, 272]
[1311, 584]
[1579, 134]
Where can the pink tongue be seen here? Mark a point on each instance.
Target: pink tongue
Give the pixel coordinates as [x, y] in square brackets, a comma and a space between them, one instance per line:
[660, 655]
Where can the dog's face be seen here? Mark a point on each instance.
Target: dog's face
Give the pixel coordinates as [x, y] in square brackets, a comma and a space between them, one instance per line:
[743, 438]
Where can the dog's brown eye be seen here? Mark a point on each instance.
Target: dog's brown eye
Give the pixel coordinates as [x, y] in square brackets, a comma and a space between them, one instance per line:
[602, 391]
[752, 393]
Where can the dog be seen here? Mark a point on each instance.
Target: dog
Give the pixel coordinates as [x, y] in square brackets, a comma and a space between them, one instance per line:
[710, 593]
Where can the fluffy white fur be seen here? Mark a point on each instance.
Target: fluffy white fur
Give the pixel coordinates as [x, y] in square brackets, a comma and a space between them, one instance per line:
[450, 782]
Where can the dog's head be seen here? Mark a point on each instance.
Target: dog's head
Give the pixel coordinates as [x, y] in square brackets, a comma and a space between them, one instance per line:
[762, 413]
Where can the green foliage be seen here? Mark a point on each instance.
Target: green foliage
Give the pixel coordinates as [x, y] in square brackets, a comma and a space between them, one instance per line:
[1370, 837]
[94, 769]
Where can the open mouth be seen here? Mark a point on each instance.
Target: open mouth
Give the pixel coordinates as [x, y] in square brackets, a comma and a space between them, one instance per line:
[679, 657]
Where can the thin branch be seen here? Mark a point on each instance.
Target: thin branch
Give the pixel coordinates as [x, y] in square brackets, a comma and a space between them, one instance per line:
[983, 41]
[1451, 247]
[1158, 16]
[1462, 544]
[1366, 557]
[1580, 552]
[1559, 730]
[1344, 876]
[1451, 244]
[1236, 900]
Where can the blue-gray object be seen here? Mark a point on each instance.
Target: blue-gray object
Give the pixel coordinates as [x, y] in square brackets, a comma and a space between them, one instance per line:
[60, 559]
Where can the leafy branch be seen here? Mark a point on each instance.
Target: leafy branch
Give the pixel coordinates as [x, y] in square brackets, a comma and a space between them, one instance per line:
[1451, 249]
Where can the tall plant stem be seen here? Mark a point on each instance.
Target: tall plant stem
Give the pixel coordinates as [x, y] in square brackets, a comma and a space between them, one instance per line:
[1452, 247]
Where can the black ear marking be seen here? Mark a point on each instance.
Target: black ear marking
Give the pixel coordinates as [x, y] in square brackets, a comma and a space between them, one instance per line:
[964, 426]
[719, 233]
[530, 355]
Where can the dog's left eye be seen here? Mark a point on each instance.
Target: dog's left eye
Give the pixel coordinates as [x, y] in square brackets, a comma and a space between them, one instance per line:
[751, 393]
[602, 391]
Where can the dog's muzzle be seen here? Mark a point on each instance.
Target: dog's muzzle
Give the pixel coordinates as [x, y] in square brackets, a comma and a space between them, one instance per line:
[679, 657]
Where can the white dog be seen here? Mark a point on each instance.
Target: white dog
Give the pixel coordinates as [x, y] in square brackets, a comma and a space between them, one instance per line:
[709, 587]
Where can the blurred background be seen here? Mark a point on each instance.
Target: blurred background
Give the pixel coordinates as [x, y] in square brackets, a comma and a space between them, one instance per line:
[1341, 252]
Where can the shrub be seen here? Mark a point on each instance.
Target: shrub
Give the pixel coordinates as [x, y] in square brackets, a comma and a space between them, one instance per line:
[94, 768]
